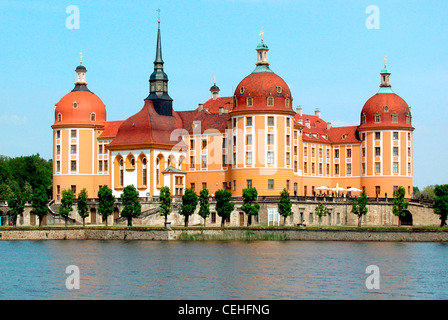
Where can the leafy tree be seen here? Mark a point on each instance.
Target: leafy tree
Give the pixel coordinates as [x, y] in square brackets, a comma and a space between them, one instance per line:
[285, 205]
[39, 202]
[131, 206]
[189, 204]
[165, 202]
[250, 205]
[66, 204]
[224, 206]
[83, 209]
[400, 205]
[359, 207]
[428, 192]
[204, 207]
[441, 203]
[106, 202]
[322, 210]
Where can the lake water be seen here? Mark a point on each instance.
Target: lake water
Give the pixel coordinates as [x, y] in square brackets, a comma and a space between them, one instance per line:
[222, 270]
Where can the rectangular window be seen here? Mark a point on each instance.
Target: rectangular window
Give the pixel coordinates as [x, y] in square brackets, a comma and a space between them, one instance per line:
[73, 187]
[328, 168]
[363, 168]
[249, 184]
[349, 168]
[312, 168]
[395, 167]
[363, 152]
[395, 151]
[295, 166]
[58, 149]
[377, 167]
[395, 135]
[204, 185]
[58, 134]
[249, 139]
[249, 158]
[73, 133]
[295, 150]
[288, 121]
[270, 121]
[248, 121]
[295, 134]
[224, 160]
[377, 190]
[409, 168]
[73, 149]
[288, 159]
[394, 118]
[377, 151]
[73, 165]
[58, 166]
[270, 157]
[100, 165]
[100, 149]
[349, 153]
[313, 152]
[204, 144]
[106, 165]
[192, 162]
[288, 140]
[204, 161]
[305, 151]
[270, 139]
[336, 153]
[271, 184]
[336, 169]
[192, 144]
[305, 167]
[192, 186]
[328, 153]
[320, 152]
[287, 185]
[320, 168]
[377, 135]
[409, 152]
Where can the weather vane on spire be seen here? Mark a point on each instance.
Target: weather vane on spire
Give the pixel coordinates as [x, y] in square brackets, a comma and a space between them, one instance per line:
[158, 10]
[214, 80]
[261, 34]
[385, 60]
[80, 58]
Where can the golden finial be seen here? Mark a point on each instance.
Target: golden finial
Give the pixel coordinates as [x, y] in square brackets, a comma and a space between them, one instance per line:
[261, 34]
[214, 80]
[158, 10]
[385, 60]
[80, 58]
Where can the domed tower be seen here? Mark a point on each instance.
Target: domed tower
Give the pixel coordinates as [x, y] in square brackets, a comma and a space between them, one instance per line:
[79, 119]
[262, 126]
[387, 142]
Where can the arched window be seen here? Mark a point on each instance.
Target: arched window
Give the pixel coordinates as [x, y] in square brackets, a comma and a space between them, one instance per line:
[287, 102]
[121, 172]
[363, 118]
[279, 89]
[242, 90]
[59, 117]
[144, 172]
[270, 101]
[157, 171]
[249, 102]
[93, 116]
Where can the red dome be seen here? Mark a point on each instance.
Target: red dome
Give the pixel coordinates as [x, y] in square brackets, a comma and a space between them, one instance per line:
[259, 87]
[385, 110]
[80, 107]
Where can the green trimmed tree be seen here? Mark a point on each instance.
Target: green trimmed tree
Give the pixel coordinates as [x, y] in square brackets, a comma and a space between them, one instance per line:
[400, 205]
[39, 201]
[165, 202]
[359, 207]
[17, 200]
[106, 202]
[204, 206]
[441, 203]
[250, 205]
[66, 204]
[189, 204]
[321, 210]
[224, 206]
[285, 205]
[131, 206]
[83, 209]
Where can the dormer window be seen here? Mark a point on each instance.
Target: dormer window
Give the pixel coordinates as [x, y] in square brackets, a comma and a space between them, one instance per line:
[395, 118]
[287, 102]
[363, 118]
[93, 116]
[408, 118]
[377, 118]
[386, 109]
[75, 105]
[59, 117]
[242, 90]
[270, 101]
[249, 101]
[279, 89]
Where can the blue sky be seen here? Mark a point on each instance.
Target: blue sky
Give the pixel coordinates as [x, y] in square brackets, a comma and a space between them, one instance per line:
[322, 49]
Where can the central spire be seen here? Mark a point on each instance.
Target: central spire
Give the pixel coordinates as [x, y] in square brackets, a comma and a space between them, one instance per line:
[262, 56]
[158, 82]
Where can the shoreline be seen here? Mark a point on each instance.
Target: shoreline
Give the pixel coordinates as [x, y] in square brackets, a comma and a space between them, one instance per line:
[383, 234]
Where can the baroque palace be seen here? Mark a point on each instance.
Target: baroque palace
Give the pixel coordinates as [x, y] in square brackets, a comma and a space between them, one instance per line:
[253, 139]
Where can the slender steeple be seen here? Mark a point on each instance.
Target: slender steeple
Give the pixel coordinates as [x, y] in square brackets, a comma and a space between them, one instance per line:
[81, 83]
[262, 57]
[385, 86]
[158, 82]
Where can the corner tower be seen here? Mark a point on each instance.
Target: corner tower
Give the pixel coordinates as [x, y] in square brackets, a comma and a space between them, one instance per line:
[158, 83]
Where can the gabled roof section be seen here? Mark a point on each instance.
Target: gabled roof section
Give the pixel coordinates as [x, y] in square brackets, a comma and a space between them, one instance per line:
[207, 121]
[213, 106]
[110, 129]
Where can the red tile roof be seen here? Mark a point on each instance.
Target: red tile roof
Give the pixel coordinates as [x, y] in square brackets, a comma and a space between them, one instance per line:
[208, 121]
[213, 105]
[110, 129]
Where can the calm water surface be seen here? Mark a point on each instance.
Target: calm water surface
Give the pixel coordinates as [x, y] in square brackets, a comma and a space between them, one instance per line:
[222, 270]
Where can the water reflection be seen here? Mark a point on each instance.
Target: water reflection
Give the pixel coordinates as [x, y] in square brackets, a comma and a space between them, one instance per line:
[223, 270]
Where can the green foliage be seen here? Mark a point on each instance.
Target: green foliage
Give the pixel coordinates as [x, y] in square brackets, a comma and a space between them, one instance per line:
[66, 204]
[39, 202]
[400, 205]
[26, 170]
[17, 200]
[189, 204]
[441, 202]
[204, 207]
[250, 205]
[83, 209]
[322, 210]
[224, 206]
[285, 205]
[428, 192]
[165, 202]
[131, 206]
[359, 206]
[106, 202]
